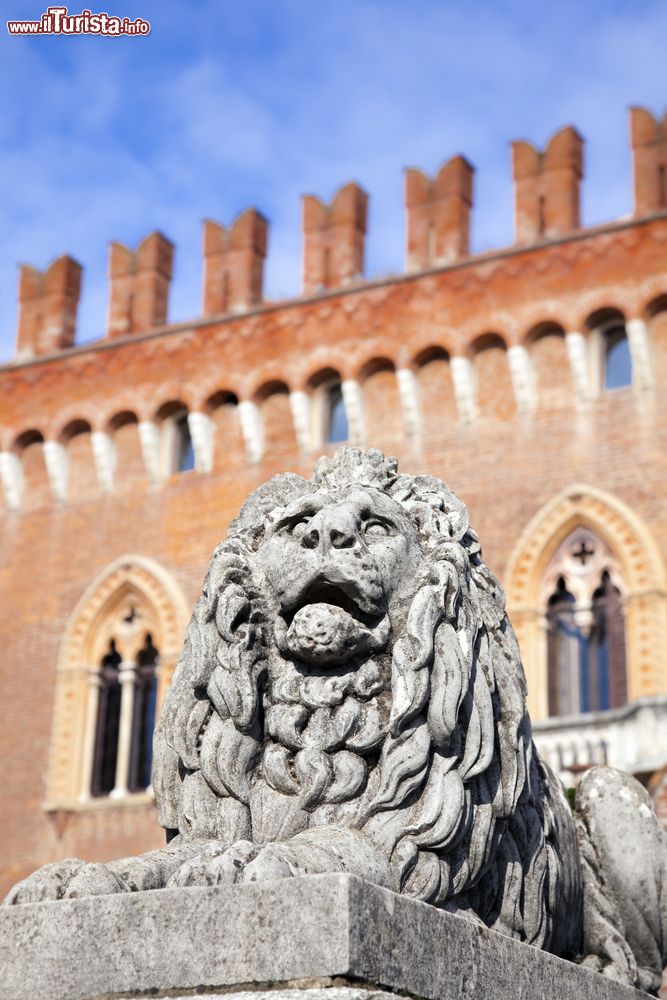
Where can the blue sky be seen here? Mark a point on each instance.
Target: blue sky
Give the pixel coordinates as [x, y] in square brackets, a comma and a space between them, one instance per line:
[230, 104]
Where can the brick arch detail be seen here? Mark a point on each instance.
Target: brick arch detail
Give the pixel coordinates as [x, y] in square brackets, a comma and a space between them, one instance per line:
[71, 723]
[643, 573]
[618, 300]
[647, 292]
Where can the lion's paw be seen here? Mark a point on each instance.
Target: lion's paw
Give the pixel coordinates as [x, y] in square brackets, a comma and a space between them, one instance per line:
[243, 862]
[216, 865]
[70, 879]
[94, 880]
[273, 861]
[46, 884]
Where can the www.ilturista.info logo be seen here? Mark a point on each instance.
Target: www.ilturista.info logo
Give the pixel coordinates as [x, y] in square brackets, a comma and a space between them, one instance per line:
[57, 21]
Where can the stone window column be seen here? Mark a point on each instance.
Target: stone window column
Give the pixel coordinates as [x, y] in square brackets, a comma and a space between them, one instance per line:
[301, 418]
[127, 676]
[575, 344]
[11, 476]
[409, 396]
[104, 458]
[463, 381]
[55, 458]
[149, 438]
[201, 433]
[353, 399]
[638, 341]
[522, 377]
[251, 429]
[90, 732]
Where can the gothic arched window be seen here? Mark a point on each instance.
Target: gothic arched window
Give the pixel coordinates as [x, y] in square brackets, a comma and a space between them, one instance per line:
[585, 628]
[117, 658]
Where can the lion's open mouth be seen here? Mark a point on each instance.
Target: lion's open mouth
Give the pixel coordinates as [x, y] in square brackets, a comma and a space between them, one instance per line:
[346, 597]
[330, 623]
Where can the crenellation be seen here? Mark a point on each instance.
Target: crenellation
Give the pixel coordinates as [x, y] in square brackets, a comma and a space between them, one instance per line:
[546, 187]
[438, 214]
[48, 302]
[369, 337]
[648, 137]
[334, 237]
[139, 285]
[234, 263]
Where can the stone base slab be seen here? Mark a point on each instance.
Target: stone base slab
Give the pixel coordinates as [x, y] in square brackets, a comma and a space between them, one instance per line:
[321, 932]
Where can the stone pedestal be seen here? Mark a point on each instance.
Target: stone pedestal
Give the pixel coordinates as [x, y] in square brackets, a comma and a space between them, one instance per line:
[321, 936]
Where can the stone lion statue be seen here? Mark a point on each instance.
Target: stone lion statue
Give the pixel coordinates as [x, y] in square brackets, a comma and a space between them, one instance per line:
[351, 698]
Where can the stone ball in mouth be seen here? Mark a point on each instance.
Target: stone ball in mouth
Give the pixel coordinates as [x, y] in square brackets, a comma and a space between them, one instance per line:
[326, 633]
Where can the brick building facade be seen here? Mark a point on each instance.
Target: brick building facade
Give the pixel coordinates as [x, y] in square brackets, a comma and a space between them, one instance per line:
[531, 379]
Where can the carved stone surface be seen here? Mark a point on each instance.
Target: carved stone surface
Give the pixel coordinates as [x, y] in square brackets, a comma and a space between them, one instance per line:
[351, 698]
[323, 931]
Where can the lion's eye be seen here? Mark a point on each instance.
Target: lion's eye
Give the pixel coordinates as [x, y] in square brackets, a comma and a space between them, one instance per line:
[376, 529]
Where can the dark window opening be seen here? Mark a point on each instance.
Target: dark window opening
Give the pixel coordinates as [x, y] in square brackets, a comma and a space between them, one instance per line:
[108, 722]
[337, 427]
[185, 453]
[143, 717]
[586, 662]
[617, 359]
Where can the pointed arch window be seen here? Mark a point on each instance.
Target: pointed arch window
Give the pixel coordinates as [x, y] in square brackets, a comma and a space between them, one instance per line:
[116, 660]
[585, 628]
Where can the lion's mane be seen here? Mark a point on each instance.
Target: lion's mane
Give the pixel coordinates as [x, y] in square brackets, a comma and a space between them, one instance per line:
[485, 827]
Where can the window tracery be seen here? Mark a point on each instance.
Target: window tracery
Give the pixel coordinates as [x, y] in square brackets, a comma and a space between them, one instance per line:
[582, 596]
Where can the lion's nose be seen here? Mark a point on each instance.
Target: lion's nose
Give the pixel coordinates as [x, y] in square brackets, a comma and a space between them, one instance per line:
[342, 539]
[332, 529]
